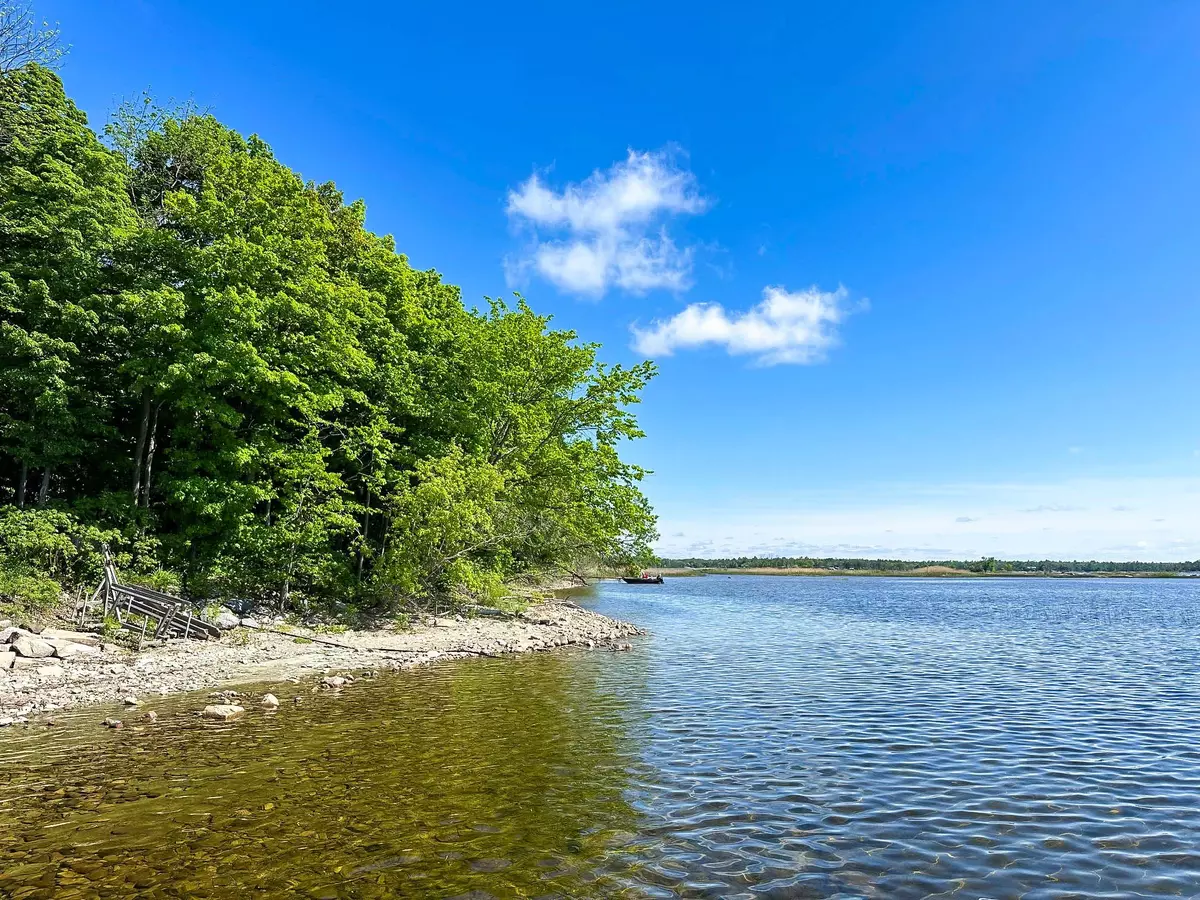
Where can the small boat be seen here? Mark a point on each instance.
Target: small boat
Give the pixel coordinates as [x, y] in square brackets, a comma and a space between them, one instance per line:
[657, 579]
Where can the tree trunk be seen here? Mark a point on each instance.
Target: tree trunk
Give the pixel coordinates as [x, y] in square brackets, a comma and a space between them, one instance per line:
[283, 595]
[21, 485]
[153, 443]
[44, 490]
[141, 447]
[362, 554]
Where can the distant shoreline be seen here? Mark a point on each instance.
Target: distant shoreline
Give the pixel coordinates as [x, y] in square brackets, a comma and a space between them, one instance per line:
[925, 572]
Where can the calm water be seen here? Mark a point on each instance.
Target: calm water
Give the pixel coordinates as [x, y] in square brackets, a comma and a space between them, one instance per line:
[774, 737]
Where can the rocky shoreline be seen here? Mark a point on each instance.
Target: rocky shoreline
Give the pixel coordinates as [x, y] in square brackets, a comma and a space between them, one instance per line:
[105, 673]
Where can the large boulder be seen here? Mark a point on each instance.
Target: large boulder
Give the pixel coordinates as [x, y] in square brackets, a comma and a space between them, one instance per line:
[75, 637]
[227, 619]
[31, 647]
[6, 659]
[69, 649]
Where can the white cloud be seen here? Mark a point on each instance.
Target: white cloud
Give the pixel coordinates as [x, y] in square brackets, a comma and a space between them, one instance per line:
[607, 230]
[786, 327]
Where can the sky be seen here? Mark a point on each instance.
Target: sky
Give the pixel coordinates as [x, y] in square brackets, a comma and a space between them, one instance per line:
[921, 280]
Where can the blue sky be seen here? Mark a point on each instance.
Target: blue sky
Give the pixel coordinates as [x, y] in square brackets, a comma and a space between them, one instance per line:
[921, 279]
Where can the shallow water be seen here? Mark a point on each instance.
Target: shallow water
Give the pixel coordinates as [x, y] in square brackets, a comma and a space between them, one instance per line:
[773, 737]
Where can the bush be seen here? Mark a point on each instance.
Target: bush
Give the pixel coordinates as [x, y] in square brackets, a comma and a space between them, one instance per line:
[56, 544]
[24, 593]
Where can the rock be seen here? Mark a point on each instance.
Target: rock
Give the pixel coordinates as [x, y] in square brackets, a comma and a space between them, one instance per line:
[224, 712]
[5, 623]
[132, 701]
[227, 619]
[51, 671]
[32, 647]
[76, 637]
[334, 681]
[113, 723]
[27, 662]
[69, 649]
[117, 669]
[248, 622]
[152, 716]
[443, 623]
[6, 659]
[270, 701]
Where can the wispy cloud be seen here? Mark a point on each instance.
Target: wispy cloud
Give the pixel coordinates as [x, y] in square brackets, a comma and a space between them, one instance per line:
[609, 229]
[786, 327]
[1085, 518]
[965, 519]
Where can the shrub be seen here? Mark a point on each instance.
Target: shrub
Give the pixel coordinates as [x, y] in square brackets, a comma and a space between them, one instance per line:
[24, 593]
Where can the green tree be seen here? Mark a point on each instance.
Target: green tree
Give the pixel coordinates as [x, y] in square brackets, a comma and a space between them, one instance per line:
[63, 210]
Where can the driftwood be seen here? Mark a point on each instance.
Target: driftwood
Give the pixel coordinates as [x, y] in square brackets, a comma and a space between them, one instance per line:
[135, 607]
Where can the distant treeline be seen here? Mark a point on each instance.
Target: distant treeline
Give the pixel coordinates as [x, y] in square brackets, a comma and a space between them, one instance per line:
[988, 564]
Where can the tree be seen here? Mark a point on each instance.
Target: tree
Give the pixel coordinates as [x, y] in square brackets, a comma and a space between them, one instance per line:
[63, 212]
[202, 350]
[25, 40]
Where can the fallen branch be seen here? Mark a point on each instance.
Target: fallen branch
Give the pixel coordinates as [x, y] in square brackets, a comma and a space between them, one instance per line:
[317, 640]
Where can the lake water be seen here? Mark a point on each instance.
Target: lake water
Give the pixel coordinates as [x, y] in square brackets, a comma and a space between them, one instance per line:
[772, 737]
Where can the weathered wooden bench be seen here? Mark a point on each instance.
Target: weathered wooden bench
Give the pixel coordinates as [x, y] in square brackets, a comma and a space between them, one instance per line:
[136, 607]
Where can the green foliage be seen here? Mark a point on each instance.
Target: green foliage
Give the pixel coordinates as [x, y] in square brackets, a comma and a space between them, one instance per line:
[25, 592]
[110, 628]
[211, 365]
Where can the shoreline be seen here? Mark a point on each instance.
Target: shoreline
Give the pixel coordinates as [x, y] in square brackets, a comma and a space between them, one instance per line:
[246, 655]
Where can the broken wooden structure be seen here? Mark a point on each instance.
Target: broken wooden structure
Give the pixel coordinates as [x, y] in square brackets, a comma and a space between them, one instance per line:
[150, 613]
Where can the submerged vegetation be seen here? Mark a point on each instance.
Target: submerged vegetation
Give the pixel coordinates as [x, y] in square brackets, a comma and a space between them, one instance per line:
[215, 367]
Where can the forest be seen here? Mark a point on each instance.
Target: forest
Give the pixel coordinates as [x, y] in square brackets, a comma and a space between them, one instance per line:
[213, 366]
[986, 565]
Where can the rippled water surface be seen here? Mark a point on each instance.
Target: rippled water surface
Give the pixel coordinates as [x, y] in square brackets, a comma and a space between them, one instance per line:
[772, 737]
